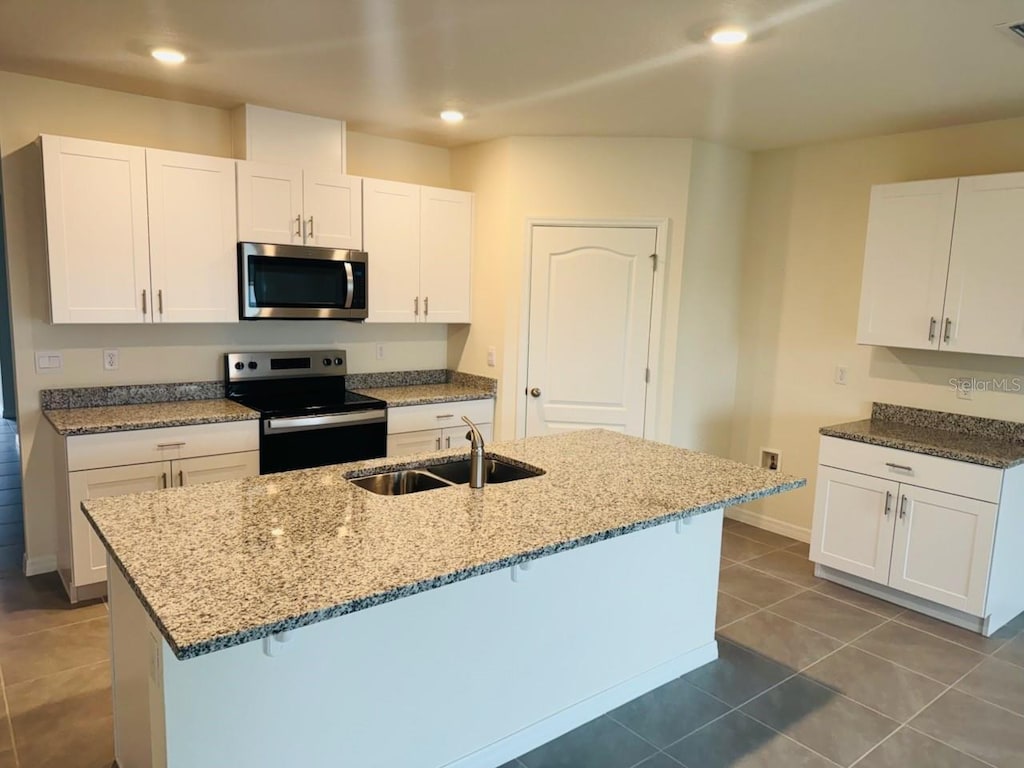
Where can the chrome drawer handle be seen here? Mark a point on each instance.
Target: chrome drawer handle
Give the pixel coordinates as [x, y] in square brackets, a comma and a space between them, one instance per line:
[888, 503]
[170, 445]
[903, 467]
[903, 506]
[931, 330]
[446, 416]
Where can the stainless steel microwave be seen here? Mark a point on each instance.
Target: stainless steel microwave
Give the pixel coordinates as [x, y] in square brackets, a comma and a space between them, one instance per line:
[296, 282]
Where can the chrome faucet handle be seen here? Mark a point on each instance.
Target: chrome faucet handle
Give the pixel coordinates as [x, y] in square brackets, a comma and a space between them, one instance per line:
[476, 439]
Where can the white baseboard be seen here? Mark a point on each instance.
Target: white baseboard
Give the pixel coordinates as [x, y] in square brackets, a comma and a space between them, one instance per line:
[582, 712]
[40, 564]
[761, 520]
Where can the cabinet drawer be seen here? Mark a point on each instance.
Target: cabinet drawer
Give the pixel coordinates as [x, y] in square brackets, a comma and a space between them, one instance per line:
[113, 449]
[957, 477]
[414, 418]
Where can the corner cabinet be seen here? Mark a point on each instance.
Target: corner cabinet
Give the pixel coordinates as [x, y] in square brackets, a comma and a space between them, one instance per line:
[138, 235]
[420, 241]
[118, 463]
[936, 530]
[942, 268]
[292, 206]
[437, 426]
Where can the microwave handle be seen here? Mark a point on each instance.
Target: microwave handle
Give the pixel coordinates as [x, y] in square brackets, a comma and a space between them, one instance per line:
[351, 285]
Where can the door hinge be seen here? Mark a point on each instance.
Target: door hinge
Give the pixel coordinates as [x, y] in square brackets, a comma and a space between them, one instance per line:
[647, 375]
[654, 262]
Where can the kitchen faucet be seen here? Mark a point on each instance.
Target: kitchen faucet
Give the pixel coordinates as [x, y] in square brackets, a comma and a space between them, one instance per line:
[476, 455]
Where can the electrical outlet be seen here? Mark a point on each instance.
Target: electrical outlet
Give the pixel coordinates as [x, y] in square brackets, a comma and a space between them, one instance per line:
[49, 362]
[492, 357]
[771, 459]
[380, 351]
[965, 391]
[111, 359]
[841, 375]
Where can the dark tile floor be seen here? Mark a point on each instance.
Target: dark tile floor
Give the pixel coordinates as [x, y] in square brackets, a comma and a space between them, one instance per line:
[809, 675]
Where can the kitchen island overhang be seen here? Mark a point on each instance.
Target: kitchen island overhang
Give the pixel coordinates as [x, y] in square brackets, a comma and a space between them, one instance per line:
[472, 671]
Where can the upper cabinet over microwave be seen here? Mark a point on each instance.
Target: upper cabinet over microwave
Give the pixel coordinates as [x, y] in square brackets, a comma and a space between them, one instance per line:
[943, 268]
[138, 235]
[290, 206]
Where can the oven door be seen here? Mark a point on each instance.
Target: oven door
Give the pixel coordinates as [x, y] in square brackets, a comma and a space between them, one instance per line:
[299, 283]
[301, 442]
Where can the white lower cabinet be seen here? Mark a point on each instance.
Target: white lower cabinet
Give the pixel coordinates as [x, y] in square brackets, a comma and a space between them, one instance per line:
[944, 544]
[98, 465]
[437, 426]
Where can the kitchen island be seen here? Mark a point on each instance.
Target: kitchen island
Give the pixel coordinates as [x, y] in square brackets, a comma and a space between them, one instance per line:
[299, 619]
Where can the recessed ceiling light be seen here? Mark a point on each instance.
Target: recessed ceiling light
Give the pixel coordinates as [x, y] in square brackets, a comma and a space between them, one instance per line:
[452, 116]
[168, 55]
[728, 36]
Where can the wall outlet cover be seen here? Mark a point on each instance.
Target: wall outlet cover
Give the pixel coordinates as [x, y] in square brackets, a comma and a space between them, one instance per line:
[771, 459]
[111, 359]
[380, 351]
[842, 375]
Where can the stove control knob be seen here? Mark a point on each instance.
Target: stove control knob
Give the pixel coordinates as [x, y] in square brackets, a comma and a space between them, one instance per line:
[338, 361]
[252, 365]
[239, 366]
[327, 362]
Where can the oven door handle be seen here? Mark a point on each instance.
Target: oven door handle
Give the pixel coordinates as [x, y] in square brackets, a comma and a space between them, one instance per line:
[296, 423]
[350, 287]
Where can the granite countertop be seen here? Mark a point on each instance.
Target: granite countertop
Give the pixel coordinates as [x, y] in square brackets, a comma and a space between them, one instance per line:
[424, 394]
[120, 418]
[222, 564]
[974, 439]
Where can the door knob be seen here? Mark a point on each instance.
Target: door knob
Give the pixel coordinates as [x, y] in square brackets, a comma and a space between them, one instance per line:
[535, 392]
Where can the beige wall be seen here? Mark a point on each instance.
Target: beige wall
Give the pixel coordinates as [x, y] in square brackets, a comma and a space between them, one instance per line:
[803, 255]
[153, 353]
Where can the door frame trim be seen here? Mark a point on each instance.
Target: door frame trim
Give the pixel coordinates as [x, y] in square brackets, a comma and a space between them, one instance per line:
[654, 351]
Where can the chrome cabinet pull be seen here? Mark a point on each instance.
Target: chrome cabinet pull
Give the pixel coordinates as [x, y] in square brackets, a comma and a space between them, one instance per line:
[949, 328]
[170, 445]
[903, 467]
[439, 443]
[416, 306]
[160, 300]
[164, 478]
[426, 306]
[181, 478]
[298, 225]
[311, 227]
[931, 330]
[903, 506]
[143, 301]
[448, 441]
[888, 503]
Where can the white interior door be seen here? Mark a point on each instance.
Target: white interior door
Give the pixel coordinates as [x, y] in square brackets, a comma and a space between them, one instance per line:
[986, 268]
[333, 206]
[590, 325]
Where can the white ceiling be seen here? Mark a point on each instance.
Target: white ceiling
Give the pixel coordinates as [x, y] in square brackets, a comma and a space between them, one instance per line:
[813, 70]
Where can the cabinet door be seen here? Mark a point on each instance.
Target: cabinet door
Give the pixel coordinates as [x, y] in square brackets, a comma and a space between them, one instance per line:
[986, 267]
[88, 557]
[446, 247]
[192, 237]
[455, 437]
[906, 257]
[211, 469]
[269, 203]
[96, 230]
[942, 548]
[333, 210]
[404, 443]
[853, 523]
[391, 236]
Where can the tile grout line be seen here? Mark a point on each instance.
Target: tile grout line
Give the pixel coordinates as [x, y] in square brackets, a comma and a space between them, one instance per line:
[10, 720]
[954, 642]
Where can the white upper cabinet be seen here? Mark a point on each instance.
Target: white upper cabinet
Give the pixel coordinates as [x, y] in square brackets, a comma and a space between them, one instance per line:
[192, 240]
[289, 206]
[905, 261]
[446, 247]
[942, 266]
[419, 241]
[96, 230]
[984, 305]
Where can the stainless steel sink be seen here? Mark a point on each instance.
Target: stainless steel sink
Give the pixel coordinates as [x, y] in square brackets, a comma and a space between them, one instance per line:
[495, 471]
[400, 483]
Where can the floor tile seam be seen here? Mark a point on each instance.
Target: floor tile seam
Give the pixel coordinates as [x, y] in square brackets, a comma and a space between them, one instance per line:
[54, 674]
[820, 631]
[982, 699]
[955, 748]
[763, 543]
[817, 588]
[780, 578]
[640, 736]
[1007, 661]
[903, 666]
[770, 605]
[954, 642]
[828, 760]
[54, 628]
[907, 727]
[10, 720]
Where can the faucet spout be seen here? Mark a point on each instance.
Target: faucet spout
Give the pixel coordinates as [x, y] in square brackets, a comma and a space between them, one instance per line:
[476, 455]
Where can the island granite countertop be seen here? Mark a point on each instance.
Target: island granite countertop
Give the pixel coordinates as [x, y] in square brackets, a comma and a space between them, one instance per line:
[989, 442]
[222, 564]
[121, 418]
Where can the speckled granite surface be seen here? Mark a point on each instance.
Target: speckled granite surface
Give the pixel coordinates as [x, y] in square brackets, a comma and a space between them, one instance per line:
[989, 442]
[122, 418]
[129, 394]
[222, 564]
[422, 387]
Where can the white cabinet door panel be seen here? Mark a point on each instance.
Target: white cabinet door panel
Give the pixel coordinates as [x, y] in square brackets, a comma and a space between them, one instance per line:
[853, 523]
[333, 210]
[405, 443]
[212, 469]
[446, 247]
[88, 554]
[906, 257]
[391, 236]
[942, 548]
[96, 229]
[269, 203]
[986, 267]
[192, 237]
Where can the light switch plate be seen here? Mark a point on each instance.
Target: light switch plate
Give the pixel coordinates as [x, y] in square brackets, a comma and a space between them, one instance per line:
[492, 357]
[49, 362]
